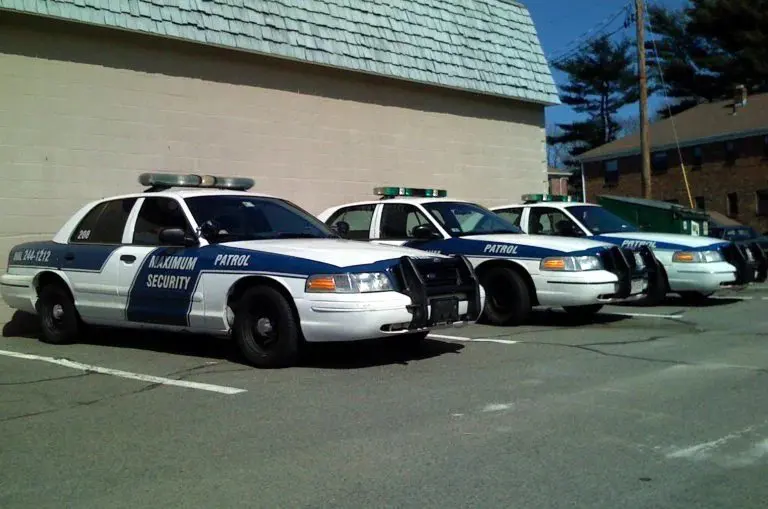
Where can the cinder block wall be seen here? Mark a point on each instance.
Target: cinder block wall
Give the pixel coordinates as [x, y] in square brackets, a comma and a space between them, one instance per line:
[86, 110]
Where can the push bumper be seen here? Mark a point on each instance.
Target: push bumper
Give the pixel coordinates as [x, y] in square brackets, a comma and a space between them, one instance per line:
[750, 262]
[432, 292]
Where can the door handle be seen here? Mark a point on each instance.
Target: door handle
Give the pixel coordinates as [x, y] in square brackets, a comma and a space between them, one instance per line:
[128, 258]
[69, 257]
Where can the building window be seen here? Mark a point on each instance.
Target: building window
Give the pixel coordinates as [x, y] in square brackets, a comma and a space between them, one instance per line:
[761, 198]
[732, 204]
[731, 152]
[701, 202]
[612, 172]
[659, 162]
[698, 158]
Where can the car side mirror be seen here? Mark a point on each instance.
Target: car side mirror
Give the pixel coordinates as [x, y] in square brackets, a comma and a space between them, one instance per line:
[176, 237]
[341, 228]
[425, 232]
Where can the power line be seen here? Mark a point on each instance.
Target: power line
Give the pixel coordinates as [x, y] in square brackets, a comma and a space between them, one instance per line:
[580, 42]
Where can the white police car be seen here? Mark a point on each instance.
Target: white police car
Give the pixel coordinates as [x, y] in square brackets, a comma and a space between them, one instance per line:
[200, 254]
[693, 267]
[518, 271]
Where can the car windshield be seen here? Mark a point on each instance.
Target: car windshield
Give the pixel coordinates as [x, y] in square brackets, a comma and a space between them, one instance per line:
[461, 219]
[598, 220]
[740, 233]
[242, 217]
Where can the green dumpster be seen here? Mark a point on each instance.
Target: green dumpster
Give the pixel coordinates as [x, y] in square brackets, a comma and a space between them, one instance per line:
[657, 216]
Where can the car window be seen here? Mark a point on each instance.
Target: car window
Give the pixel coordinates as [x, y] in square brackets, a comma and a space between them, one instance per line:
[223, 218]
[158, 213]
[358, 218]
[599, 220]
[399, 219]
[511, 215]
[104, 223]
[461, 219]
[550, 221]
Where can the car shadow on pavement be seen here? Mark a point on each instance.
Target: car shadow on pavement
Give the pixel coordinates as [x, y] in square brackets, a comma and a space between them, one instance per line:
[558, 318]
[356, 355]
[676, 301]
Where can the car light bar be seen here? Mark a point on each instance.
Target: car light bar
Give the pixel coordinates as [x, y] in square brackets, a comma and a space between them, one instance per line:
[536, 198]
[410, 191]
[157, 181]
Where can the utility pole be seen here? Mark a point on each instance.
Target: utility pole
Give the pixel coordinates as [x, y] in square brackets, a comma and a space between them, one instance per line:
[645, 156]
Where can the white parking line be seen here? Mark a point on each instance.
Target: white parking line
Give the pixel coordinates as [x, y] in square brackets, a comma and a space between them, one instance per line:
[734, 297]
[475, 340]
[125, 374]
[642, 315]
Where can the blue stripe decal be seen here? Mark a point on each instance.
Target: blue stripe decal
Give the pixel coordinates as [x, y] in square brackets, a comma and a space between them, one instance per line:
[654, 244]
[165, 284]
[487, 249]
[50, 255]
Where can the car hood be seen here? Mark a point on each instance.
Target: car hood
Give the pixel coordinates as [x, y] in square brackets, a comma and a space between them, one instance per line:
[338, 252]
[562, 244]
[669, 239]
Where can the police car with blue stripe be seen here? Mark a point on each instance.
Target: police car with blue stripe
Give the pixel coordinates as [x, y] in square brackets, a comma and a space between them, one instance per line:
[518, 271]
[693, 267]
[201, 254]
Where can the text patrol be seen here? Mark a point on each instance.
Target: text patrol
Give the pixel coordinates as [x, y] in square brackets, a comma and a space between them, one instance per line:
[506, 249]
[638, 243]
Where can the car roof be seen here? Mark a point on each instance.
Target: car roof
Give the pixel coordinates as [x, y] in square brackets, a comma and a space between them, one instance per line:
[551, 204]
[181, 192]
[402, 199]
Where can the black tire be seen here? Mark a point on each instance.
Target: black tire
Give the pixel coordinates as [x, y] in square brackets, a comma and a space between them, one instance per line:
[59, 321]
[585, 311]
[661, 289]
[694, 297]
[265, 329]
[507, 300]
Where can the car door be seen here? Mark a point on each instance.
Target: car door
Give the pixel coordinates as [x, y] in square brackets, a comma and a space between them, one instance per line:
[552, 221]
[359, 218]
[90, 261]
[512, 214]
[157, 283]
[396, 222]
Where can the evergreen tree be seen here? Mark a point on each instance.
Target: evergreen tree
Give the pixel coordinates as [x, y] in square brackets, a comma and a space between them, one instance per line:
[708, 47]
[601, 81]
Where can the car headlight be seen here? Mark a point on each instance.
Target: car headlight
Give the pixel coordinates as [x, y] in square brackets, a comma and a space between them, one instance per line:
[697, 256]
[571, 263]
[361, 282]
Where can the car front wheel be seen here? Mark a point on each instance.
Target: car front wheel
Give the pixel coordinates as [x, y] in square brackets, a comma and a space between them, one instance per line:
[266, 329]
[507, 301]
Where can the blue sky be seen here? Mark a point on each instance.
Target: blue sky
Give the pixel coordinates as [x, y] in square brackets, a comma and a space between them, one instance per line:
[561, 22]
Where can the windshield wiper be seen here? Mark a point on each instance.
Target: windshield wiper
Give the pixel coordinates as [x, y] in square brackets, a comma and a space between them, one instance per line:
[296, 235]
[489, 232]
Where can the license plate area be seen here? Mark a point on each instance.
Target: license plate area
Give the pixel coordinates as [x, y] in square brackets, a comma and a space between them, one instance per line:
[639, 286]
[444, 311]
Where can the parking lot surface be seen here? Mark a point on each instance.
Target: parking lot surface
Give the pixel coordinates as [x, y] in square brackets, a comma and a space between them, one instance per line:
[636, 408]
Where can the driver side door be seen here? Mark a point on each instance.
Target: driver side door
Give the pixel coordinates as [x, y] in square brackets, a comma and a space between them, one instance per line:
[396, 224]
[158, 283]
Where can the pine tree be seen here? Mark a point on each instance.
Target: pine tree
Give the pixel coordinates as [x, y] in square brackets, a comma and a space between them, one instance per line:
[601, 81]
[708, 47]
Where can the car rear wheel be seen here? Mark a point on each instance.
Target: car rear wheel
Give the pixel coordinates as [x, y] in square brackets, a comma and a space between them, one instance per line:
[507, 301]
[265, 329]
[59, 320]
[588, 310]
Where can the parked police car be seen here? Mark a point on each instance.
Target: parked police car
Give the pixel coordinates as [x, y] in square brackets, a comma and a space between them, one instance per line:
[518, 271]
[200, 254]
[693, 267]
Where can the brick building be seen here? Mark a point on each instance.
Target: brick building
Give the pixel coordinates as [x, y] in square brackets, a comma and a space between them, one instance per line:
[724, 149]
[319, 101]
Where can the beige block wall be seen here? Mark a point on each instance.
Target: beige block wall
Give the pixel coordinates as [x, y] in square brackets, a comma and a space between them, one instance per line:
[84, 111]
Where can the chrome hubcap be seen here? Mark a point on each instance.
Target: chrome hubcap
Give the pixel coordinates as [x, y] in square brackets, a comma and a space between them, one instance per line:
[264, 326]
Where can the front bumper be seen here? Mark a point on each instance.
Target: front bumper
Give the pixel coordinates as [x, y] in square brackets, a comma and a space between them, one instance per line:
[432, 292]
[701, 277]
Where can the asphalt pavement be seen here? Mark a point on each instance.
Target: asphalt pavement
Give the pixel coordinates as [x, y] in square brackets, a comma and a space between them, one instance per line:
[661, 407]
